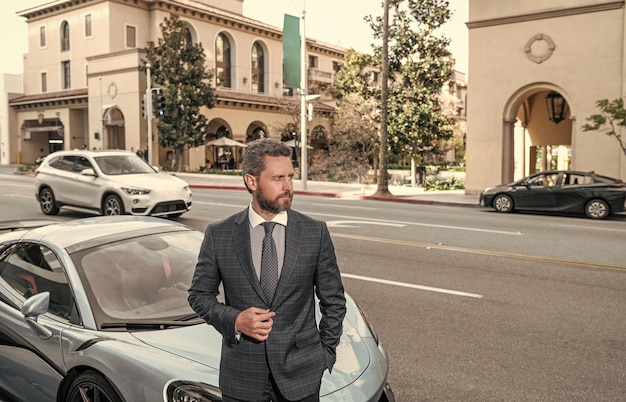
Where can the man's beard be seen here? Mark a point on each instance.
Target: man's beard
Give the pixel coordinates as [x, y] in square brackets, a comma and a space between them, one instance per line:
[276, 205]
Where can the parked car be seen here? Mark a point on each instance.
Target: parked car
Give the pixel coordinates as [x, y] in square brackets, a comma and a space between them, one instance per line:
[561, 191]
[96, 309]
[109, 182]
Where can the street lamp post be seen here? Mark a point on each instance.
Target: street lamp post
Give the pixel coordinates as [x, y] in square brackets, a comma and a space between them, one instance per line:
[149, 112]
[303, 90]
[101, 116]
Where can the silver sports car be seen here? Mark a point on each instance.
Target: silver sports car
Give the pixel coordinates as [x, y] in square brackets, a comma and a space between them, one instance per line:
[96, 309]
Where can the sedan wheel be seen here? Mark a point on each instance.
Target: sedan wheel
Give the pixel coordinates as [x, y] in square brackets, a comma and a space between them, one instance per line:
[112, 206]
[597, 209]
[503, 203]
[91, 386]
[47, 202]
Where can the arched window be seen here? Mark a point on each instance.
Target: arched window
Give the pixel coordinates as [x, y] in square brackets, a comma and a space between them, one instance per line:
[258, 68]
[188, 37]
[257, 133]
[65, 36]
[223, 132]
[222, 61]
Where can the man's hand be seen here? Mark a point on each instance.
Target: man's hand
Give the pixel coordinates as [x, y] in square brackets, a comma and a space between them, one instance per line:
[255, 322]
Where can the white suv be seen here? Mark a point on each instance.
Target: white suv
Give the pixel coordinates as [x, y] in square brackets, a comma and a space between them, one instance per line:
[109, 182]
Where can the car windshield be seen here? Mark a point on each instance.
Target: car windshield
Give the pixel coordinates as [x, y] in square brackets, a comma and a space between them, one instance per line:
[141, 278]
[123, 164]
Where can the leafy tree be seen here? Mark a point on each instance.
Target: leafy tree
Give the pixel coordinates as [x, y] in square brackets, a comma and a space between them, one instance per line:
[420, 64]
[611, 120]
[353, 77]
[178, 68]
[357, 119]
[353, 140]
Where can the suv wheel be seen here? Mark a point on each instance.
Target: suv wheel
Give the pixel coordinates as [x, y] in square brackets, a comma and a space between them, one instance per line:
[112, 206]
[47, 202]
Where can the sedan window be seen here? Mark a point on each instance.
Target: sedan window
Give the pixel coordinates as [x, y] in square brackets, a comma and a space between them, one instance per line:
[30, 269]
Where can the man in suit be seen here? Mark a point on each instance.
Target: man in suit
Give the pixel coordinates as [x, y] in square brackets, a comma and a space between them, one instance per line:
[272, 348]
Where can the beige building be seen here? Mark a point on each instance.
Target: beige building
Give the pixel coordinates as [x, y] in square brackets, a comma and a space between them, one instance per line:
[83, 84]
[525, 53]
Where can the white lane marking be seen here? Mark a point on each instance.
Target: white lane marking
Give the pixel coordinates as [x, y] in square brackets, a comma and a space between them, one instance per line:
[577, 227]
[354, 224]
[20, 196]
[220, 204]
[338, 205]
[412, 286]
[418, 224]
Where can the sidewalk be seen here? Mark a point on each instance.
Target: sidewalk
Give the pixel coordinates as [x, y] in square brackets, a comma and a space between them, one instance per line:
[406, 194]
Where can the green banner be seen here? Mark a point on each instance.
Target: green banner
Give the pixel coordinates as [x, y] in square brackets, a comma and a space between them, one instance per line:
[291, 51]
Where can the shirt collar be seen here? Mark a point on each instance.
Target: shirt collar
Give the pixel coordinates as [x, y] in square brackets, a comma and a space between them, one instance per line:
[256, 219]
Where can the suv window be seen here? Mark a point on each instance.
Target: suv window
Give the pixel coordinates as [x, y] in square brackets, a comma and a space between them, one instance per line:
[64, 163]
[81, 164]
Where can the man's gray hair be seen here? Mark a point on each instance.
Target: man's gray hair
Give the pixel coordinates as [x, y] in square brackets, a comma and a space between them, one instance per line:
[254, 158]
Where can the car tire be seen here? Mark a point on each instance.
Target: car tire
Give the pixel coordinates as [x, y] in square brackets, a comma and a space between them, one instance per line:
[503, 203]
[47, 202]
[597, 209]
[91, 386]
[112, 205]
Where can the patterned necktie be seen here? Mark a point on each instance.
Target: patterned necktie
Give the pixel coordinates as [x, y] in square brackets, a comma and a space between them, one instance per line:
[269, 262]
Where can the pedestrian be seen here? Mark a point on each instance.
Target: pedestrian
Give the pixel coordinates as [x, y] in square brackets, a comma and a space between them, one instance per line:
[272, 349]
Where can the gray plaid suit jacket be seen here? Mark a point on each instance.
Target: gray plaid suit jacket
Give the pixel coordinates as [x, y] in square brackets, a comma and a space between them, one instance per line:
[297, 351]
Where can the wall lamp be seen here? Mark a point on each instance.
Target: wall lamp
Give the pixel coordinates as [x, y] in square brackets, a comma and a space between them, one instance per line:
[557, 107]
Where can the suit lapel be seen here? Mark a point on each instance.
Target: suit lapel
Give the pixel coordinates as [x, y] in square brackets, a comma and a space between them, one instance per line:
[241, 244]
[293, 233]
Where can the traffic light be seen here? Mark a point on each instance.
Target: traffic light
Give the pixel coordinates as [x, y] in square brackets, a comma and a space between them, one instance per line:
[143, 106]
[158, 103]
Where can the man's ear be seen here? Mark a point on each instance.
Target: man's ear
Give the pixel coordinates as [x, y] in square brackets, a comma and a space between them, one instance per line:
[250, 181]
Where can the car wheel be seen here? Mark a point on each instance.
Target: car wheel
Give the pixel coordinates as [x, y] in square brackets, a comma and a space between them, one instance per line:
[112, 206]
[503, 203]
[47, 202]
[91, 386]
[597, 209]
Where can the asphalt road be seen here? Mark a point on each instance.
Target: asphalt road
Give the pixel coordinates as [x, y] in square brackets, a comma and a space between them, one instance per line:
[470, 304]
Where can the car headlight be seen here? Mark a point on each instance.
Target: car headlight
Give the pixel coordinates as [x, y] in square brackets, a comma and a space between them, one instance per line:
[136, 190]
[187, 391]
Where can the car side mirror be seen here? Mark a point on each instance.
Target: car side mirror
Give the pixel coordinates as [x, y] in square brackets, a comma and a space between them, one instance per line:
[88, 172]
[34, 307]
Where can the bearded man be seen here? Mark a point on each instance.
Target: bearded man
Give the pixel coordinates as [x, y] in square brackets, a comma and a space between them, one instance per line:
[272, 263]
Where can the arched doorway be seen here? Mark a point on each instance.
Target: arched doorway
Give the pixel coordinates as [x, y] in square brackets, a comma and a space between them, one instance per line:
[533, 140]
[114, 131]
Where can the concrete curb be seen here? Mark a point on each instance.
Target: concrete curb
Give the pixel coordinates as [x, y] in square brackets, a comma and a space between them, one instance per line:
[392, 198]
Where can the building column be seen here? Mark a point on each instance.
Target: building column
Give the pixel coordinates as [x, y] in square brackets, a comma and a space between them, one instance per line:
[508, 151]
[544, 158]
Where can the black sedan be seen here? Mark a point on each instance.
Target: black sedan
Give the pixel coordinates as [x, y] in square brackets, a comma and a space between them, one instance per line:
[561, 191]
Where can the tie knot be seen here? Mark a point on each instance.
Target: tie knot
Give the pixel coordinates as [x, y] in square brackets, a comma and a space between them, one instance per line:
[269, 227]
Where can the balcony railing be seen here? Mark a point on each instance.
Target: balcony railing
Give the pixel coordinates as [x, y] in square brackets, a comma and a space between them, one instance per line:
[320, 76]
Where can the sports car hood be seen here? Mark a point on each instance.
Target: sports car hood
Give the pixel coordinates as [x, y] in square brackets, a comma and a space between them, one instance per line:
[202, 344]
